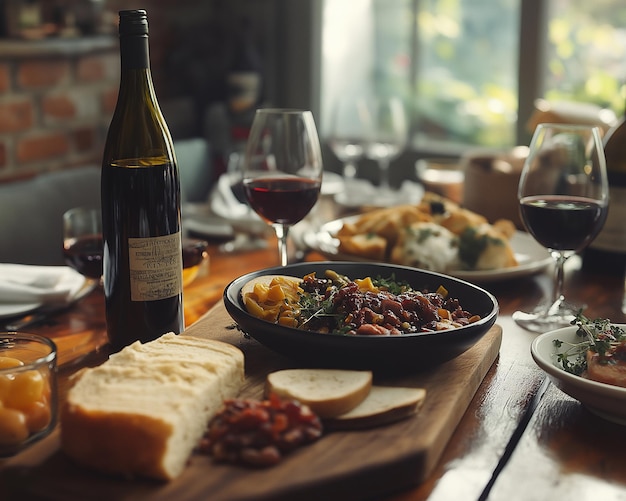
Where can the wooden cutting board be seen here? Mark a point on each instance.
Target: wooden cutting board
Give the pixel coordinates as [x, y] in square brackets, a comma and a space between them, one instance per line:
[341, 465]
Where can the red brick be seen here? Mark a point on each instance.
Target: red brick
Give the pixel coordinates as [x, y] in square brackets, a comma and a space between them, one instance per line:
[109, 100]
[5, 78]
[16, 116]
[3, 155]
[84, 138]
[90, 69]
[58, 106]
[42, 73]
[41, 147]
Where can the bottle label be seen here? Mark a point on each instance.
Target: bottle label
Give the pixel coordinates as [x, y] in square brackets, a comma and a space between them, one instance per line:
[612, 238]
[155, 267]
[245, 88]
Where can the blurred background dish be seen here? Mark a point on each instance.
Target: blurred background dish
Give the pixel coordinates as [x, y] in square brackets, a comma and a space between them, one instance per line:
[532, 258]
[491, 180]
[362, 194]
[9, 310]
[444, 176]
[24, 288]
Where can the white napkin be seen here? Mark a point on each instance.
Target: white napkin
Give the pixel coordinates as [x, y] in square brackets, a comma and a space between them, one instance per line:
[21, 283]
[224, 203]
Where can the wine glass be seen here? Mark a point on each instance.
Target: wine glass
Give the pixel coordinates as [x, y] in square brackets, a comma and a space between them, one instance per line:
[388, 137]
[283, 169]
[563, 197]
[234, 171]
[82, 241]
[350, 125]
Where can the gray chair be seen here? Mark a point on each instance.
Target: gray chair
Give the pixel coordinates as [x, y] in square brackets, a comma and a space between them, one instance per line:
[195, 168]
[31, 226]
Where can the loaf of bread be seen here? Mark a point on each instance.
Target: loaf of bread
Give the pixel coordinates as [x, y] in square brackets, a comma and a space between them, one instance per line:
[143, 411]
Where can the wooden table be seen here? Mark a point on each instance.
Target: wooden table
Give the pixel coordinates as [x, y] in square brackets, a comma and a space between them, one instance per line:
[521, 438]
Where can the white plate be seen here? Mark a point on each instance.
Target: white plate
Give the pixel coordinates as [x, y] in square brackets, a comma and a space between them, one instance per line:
[72, 281]
[361, 193]
[12, 310]
[532, 257]
[604, 400]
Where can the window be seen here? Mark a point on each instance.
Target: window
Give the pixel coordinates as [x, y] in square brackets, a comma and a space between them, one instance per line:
[469, 71]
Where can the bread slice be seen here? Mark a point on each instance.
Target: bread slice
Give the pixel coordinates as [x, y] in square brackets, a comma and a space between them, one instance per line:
[383, 405]
[327, 392]
[367, 246]
[143, 411]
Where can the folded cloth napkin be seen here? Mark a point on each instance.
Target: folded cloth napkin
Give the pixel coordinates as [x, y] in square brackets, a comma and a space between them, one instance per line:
[21, 283]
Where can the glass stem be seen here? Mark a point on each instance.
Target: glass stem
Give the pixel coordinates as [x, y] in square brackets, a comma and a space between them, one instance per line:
[557, 286]
[281, 232]
[383, 164]
[349, 170]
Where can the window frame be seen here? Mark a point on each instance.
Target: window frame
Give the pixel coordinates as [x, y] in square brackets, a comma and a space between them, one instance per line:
[298, 38]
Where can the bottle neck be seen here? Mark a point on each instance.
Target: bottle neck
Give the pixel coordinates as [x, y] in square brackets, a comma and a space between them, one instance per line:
[135, 77]
[134, 52]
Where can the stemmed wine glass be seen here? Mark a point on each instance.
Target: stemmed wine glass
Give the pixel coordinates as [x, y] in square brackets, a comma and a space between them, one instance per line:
[563, 196]
[388, 136]
[82, 241]
[350, 125]
[283, 169]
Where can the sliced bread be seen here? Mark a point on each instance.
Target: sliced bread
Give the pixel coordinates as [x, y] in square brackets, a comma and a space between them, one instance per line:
[143, 411]
[327, 392]
[383, 405]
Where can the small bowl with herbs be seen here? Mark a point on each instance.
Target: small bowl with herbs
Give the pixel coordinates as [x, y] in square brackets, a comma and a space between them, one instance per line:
[588, 362]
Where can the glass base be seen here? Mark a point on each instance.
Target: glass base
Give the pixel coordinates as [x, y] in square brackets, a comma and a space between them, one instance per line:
[547, 318]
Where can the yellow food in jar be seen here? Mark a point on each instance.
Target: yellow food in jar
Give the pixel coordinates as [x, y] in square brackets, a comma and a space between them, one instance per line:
[24, 402]
[13, 427]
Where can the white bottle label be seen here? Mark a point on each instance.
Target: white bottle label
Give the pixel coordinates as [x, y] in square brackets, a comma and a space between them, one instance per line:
[612, 237]
[155, 267]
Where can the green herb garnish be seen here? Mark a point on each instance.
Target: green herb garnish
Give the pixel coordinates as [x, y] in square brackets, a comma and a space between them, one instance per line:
[597, 335]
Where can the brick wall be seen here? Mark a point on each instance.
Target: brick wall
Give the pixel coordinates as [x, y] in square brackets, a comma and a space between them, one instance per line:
[56, 104]
[55, 108]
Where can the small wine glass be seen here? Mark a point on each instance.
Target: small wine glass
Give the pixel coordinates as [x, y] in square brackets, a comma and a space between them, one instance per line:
[350, 125]
[563, 197]
[388, 137]
[82, 241]
[283, 169]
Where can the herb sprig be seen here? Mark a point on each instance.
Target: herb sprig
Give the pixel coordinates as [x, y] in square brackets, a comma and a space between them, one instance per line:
[597, 335]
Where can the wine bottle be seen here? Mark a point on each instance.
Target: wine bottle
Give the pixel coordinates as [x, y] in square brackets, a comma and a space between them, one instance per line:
[141, 226]
[244, 80]
[607, 253]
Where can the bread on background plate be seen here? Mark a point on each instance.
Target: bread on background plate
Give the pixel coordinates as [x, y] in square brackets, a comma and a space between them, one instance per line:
[143, 411]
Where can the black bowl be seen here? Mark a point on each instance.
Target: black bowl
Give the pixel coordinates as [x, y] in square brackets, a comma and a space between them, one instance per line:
[405, 352]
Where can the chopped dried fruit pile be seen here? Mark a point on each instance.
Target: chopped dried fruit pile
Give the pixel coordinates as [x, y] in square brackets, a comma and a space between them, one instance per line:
[259, 433]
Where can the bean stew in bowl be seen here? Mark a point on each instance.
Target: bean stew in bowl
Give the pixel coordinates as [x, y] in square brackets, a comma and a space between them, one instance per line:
[361, 315]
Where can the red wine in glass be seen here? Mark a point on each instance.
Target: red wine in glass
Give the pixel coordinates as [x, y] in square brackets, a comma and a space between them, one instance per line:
[561, 222]
[563, 197]
[283, 169]
[283, 200]
[84, 254]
